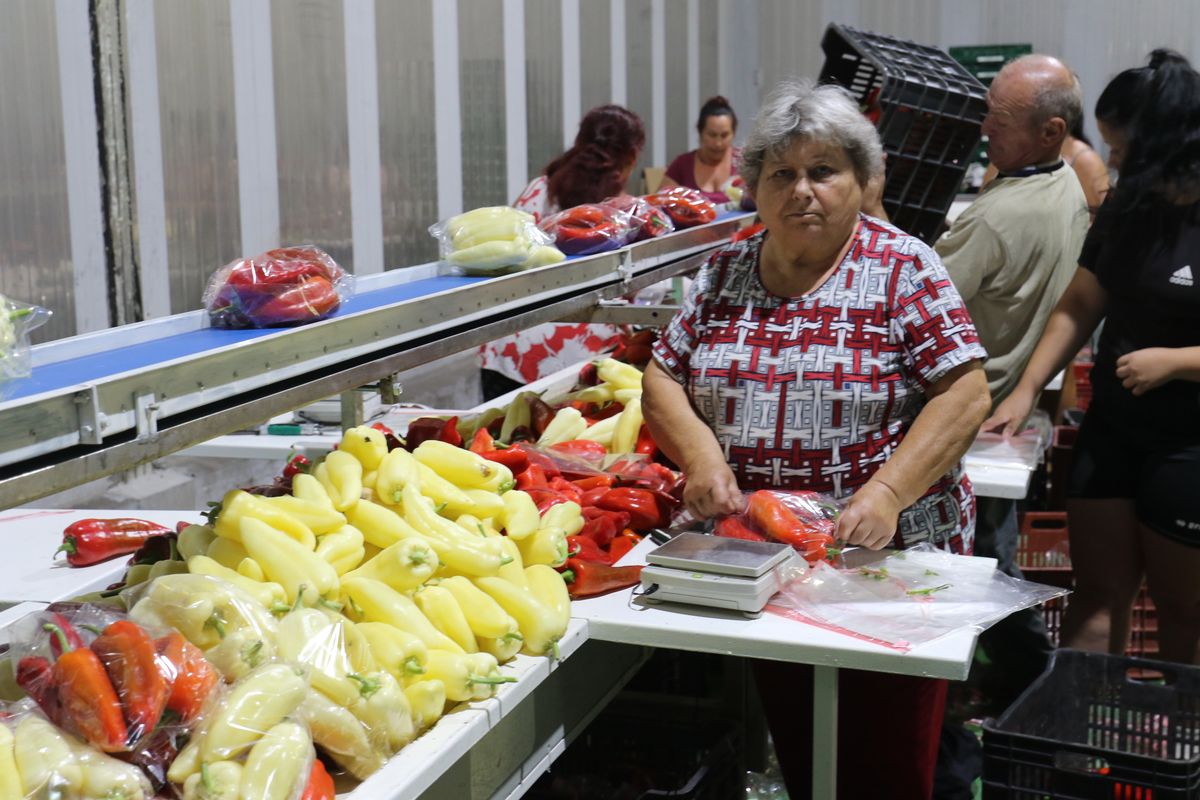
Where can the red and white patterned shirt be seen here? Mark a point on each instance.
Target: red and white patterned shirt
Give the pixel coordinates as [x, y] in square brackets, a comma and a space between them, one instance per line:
[816, 392]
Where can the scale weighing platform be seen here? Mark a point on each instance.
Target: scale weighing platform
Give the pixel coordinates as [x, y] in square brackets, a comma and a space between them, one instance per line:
[700, 569]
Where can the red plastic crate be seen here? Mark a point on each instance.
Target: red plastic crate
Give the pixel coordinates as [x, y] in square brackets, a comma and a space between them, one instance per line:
[1044, 556]
[1082, 372]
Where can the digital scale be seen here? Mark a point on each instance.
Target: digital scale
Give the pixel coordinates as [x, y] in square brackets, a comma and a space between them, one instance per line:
[703, 570]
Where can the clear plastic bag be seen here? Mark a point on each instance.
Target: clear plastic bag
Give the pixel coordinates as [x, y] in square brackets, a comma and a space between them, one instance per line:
[589, 229]
[805, 520]
[686, 207]
[493, 240]
[17, 321]
[908, 598]
[649, 221]
[284, 286]
[38, 759]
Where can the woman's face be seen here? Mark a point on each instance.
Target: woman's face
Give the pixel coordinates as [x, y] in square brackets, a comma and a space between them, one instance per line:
[809, 195]
[717, 135]
[1116, 140]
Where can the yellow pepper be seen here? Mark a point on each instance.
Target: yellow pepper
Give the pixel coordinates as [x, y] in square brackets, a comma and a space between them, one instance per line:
[547, 546]
[278, 764]
[105, 777]
[442, 491]
[217, 781]
[567, 516]
[313, 638]
[42, 755]
[513, 570]
[10, 779]
[194, 540]
[463, 468]
[483, 614]
[548, 588]
[505, 647]
[340, 734]
[384, 709]
[619, 374]
[226, 552]
[441, 608]
[602, 431]
[306, 487]
[266, 594]
[366, 444]
[255, 704]
[474, 526]
[459, 676]
[599, 394]
[237, 505]
[204, 609]
[287, 562]
[343, 548]
[399, 652]
[403, 566]
[341, 474]
[427, 699]
[625, 396]
[455, 548]
[251, 569]
[517, 416]
[380, 526]
[321, 518]
[629, 423]
[357, 646]
[483, 504]
[397, 470]
[241, 651]
[521, 517]
[538, 624]
[486, 666]
[378, 602]
[567, 424]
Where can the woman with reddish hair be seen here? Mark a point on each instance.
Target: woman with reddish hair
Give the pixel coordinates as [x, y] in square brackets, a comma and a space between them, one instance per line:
[595, 168]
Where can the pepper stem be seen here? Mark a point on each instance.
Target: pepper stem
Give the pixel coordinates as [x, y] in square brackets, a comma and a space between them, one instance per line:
[493, 680]
[568, 576]
[366, 686]
[58, 633]
[412, 666]
[68, 546]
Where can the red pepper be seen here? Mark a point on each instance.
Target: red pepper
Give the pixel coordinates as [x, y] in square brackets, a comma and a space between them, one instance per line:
[621, 544]
[610, 410]
[560, 484]
[191, 677]
[589, 374]
[601, 528]
[645, 442]
[592, 495]
[393, 441]
[585, 579]
[309, 300]
[646, 474]
[594, 481]
[449, 433]
[262, 274]
[87, 696]
[545, 498]
[423, 428]
[484, 445]
[532, 477]
[295, 465]
[482, 442]
[540, 414]
[585, 548]
[732, 528]
[90, 541]
[320, 785]
[538, 458]
[583, 448]
[35, 674]
[131, 660]
[770, 515]
[71, 635]
[642, 505]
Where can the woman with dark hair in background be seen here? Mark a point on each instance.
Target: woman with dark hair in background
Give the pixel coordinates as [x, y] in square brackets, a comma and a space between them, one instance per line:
[714, 164]
[595, 168]
[1133, 507]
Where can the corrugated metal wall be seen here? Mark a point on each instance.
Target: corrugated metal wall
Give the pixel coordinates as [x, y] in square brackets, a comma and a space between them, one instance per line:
[742, 48]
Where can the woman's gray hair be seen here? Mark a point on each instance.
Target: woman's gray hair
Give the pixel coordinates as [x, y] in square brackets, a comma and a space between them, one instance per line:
[803, 110]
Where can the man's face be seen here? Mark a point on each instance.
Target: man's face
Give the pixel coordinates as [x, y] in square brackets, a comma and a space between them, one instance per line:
[1014, 140]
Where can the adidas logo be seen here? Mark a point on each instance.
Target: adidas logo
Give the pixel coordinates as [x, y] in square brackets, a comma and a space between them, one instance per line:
[1182, 276]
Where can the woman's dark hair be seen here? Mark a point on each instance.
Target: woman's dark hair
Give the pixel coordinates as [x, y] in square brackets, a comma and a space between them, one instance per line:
[609, 140]
[716, 106]
[1158, 109]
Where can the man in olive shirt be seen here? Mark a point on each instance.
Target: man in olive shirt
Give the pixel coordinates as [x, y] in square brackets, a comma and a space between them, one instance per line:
[1011, 254]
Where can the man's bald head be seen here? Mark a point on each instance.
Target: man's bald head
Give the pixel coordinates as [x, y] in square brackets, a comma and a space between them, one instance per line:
[1031, 103]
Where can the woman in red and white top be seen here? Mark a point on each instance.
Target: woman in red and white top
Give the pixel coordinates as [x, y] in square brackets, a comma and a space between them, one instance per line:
[830, 352]
[595, 168]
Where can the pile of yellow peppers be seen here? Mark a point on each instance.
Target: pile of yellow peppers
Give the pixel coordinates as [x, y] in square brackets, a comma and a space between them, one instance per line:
[385, 575]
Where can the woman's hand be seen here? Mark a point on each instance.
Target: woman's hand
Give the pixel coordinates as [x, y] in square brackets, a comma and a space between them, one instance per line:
[871, 516]
[1143, 370]
[1010, 415]
[713, 491]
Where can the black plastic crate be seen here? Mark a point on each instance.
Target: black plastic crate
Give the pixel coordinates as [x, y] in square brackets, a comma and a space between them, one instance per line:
[929, 109]
[1092, 726]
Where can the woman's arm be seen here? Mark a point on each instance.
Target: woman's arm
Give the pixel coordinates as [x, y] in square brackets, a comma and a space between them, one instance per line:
[940, 434]
[1093, 177]
[711, 489]
[1077, 314]
[667, 183]
[1151, 367]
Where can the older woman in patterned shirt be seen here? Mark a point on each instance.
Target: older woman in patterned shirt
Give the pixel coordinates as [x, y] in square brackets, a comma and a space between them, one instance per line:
[830, 352]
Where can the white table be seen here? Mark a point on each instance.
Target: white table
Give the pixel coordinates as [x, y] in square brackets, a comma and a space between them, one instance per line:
[621, 617]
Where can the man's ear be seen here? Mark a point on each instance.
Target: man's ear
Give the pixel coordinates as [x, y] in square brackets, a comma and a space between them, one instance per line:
[1054, 130]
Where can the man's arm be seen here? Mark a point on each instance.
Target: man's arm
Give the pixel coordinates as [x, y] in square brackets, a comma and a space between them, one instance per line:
[971, 251]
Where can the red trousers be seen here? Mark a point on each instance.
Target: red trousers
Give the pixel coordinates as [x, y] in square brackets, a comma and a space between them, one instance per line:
[888, 730]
